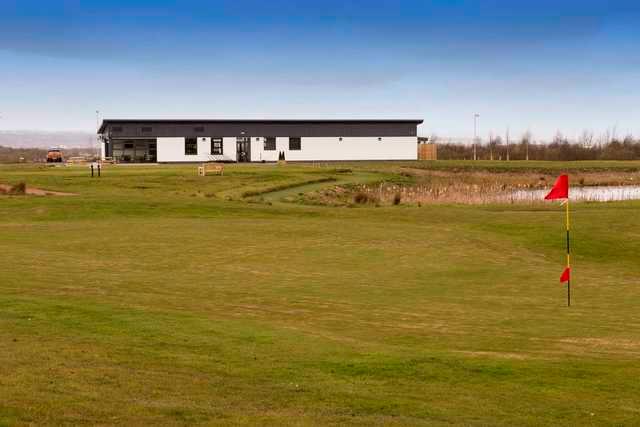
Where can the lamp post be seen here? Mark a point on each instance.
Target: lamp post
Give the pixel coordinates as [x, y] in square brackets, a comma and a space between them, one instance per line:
[97, 128]
[476, 116]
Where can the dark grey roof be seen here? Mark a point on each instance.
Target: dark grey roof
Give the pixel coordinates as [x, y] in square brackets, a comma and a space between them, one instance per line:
[297, 122]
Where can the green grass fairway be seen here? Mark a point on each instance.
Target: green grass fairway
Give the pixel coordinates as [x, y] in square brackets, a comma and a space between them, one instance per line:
[156, 297]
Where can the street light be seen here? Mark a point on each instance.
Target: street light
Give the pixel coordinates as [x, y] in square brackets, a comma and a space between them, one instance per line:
[475, 135]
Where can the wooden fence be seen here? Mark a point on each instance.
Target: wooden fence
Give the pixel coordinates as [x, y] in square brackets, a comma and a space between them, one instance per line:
[427, 151]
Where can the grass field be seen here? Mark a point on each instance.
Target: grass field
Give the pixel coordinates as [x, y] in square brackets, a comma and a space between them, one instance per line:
[155, 297]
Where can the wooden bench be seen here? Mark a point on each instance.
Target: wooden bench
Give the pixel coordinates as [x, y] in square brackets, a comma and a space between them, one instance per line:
[76, 161]
[209, 168]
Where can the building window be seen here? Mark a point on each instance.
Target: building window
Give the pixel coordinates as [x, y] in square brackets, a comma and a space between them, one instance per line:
[270, 143]
[191, 146]
[294, 143]
[379, 139]
[147, 130]
[128, 146]
[216, 145]
[340, 139]
[198, 129]
[117, 129]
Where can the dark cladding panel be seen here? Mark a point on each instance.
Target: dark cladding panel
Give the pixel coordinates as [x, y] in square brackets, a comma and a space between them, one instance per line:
[310, 128]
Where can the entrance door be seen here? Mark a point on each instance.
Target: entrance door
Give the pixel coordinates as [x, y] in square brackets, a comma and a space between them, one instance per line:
[243, 149]
[152, 152]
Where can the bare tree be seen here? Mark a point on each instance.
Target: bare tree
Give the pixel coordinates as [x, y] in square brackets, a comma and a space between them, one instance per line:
[584, 147]
[526, 140]
[507, 139]
[586, 138]
[494, 146]
[491, 145]
[558, 138]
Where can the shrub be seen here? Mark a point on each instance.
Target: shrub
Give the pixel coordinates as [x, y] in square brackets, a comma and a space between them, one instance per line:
[361, 197]
[343, 170]
[19, 189]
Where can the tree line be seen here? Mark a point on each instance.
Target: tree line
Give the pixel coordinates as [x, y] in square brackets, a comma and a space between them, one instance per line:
[560, 148]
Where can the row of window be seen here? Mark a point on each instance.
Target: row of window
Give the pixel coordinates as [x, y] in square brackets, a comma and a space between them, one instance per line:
[191, 145]
[149, 129]
[200, 129]
[131, 146]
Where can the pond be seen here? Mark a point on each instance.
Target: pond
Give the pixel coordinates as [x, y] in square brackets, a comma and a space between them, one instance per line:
[586, 194]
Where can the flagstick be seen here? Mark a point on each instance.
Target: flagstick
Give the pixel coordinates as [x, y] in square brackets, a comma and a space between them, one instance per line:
[568, 257]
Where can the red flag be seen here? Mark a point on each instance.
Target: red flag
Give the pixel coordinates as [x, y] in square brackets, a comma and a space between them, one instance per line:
[560, 189]
[566, 275]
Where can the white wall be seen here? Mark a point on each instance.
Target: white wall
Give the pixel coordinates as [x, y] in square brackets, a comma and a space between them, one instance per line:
[313, 148]
[229, 148]
[257, 154]
[172, 150]
[350, 148]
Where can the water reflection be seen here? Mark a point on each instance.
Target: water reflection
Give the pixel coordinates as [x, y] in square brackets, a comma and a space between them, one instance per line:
[586, 194]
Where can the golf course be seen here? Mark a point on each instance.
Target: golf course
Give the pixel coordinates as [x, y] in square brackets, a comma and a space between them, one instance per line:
[363, 293]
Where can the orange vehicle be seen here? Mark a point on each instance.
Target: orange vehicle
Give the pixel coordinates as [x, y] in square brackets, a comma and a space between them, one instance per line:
[54, 155]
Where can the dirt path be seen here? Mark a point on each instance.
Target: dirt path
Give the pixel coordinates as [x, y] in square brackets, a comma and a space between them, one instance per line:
[7, 189]
[359, 178]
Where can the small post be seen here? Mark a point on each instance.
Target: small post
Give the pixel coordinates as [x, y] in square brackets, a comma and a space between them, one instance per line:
[99, 167]
[91, 170]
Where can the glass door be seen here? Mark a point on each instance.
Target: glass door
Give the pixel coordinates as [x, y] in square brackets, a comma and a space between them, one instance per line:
[243, 149]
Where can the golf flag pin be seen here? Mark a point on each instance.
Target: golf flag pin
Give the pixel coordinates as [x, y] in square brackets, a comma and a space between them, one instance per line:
[560, 191]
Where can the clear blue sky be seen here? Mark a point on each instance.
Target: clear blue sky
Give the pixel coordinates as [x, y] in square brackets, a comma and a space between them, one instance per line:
[544, 65]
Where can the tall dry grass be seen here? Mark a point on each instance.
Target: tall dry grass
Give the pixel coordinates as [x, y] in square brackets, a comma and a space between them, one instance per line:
[482, 187]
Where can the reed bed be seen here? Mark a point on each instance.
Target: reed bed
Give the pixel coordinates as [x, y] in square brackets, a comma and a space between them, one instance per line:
[418, 187]
[395, 194]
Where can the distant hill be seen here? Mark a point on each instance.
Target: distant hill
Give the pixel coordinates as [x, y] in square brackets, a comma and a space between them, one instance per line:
[43, 139]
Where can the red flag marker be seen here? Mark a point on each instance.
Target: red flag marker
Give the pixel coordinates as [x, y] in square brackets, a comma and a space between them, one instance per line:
[560, 189]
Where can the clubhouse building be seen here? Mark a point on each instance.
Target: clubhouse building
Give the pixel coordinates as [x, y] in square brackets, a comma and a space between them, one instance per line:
[168, 141]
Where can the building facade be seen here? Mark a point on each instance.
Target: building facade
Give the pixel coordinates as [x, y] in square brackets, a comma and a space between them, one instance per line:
[168, 141]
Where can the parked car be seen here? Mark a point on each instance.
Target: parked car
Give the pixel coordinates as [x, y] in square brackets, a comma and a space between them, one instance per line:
[54, 155]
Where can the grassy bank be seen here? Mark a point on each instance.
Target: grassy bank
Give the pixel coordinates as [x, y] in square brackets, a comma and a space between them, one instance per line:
[158, 297]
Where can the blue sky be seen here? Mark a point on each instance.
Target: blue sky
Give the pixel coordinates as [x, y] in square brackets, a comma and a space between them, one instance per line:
[540, 65]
